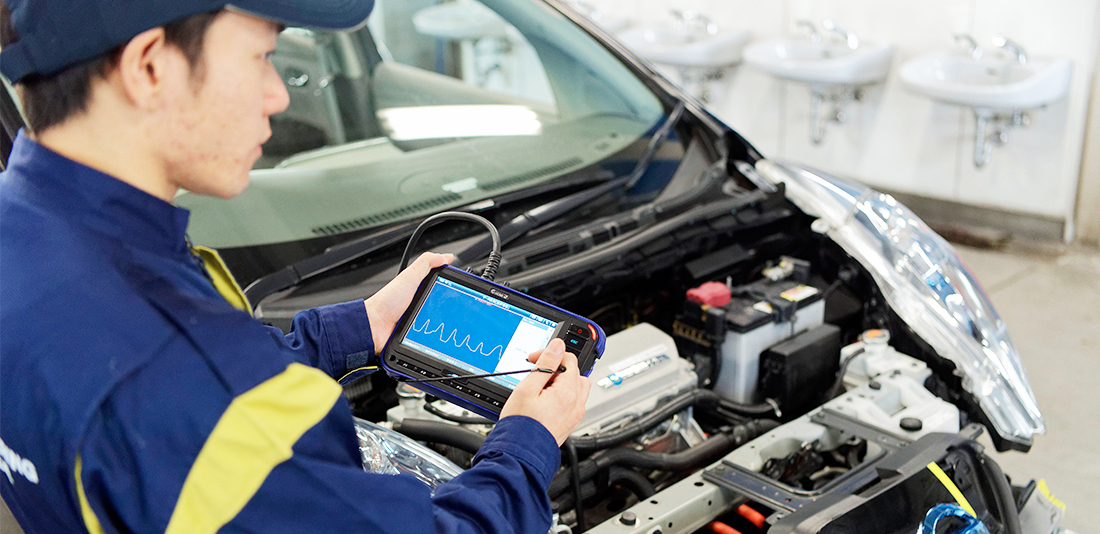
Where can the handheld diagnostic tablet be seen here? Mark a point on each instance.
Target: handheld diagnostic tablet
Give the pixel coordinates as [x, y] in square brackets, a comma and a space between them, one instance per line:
[460, 324]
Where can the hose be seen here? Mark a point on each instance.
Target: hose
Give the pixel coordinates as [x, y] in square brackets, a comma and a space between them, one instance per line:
[1002, 492]
[606, 440]
[703, 398]
[718, 527]
[713, 447]
[634, 481]
[997, 485]
[578, 496]
[442, 433]
[637, 483]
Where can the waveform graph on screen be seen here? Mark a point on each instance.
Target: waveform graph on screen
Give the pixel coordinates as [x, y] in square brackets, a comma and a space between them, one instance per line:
[451, 321]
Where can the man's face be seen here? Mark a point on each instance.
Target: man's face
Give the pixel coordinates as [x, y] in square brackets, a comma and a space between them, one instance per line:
[216, 118]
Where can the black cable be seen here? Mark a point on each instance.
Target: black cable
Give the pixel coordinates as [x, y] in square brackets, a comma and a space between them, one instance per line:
[835, 390]
[633, 481]
[716, 445]
[493, 264]
[702, 398]
[461, 419]
[442, 433]
[1002, 492]
[751, 410]
[996, 483]
[578, 502]
[641, 425]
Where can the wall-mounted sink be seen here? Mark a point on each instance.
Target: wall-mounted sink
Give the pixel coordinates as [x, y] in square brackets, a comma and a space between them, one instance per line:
[693, 44]
[988, 83]
[835, 72]
[1000, 91]
[679, 48]
[610, 23]
[821, 63]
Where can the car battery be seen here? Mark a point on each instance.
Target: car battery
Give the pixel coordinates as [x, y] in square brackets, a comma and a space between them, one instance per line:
[640, 368]
[760, 315]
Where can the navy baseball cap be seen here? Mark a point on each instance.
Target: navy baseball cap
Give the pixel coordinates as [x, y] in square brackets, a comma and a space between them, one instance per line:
[54, 34]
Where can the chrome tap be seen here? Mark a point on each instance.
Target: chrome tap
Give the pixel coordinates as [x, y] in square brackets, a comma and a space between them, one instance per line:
[1012, 48]
[688, 17]
[815, 37]
[972, 47]
[849, 36]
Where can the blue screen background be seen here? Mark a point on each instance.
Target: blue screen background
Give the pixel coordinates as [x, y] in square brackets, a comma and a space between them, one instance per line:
[453, 322]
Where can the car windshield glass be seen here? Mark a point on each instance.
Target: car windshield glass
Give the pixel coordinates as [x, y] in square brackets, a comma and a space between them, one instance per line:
[429, 106]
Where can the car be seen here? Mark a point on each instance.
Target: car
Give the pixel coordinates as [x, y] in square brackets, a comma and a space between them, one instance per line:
[787, 351]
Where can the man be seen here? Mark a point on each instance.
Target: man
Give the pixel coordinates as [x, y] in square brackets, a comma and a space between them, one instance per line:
[135, 397]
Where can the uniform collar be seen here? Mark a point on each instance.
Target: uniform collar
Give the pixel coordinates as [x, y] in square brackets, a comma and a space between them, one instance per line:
[101, 201]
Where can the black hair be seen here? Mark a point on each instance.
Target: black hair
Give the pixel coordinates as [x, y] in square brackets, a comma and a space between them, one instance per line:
[52, 99]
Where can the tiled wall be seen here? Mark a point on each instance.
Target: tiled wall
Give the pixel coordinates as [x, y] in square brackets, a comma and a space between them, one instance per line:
[896, 139]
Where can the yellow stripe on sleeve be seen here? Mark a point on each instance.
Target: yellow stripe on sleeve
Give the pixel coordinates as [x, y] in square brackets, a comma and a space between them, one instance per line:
[951, 487]
[90, 521]
[254, 435]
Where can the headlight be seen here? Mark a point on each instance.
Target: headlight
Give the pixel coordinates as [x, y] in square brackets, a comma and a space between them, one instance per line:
[928, 286]
[387, 452]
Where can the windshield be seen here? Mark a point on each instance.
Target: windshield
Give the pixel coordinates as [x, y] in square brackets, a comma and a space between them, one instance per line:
[430, 106]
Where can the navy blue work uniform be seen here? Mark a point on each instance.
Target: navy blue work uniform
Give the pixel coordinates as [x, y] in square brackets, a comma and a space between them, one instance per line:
[135, 398]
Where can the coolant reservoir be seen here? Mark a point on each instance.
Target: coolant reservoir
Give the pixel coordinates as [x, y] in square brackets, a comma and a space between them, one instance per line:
[886, 389]
[874, 357]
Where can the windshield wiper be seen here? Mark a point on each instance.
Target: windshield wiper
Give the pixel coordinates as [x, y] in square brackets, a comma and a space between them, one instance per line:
[341, 254]
[331, 258]
[551, 211]
[344, 253]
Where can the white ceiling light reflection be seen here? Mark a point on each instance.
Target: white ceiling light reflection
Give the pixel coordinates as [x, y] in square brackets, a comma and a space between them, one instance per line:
[440, 122]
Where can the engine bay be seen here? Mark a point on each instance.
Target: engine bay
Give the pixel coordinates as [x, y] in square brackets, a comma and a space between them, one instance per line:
[752, 389]
[755, 379]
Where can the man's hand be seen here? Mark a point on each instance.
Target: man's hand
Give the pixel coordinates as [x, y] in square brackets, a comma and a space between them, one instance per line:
[554, 399]
[384, 309]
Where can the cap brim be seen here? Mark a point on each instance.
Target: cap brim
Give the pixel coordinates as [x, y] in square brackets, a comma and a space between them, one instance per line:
[318, 14]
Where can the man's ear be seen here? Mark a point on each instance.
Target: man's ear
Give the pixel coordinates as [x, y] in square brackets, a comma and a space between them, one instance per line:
[146, 65]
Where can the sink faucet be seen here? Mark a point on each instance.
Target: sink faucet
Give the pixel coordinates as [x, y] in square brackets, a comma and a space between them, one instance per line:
[972, 47]
[687, 17]
[815, 37]
[849, 36]
[1012, 48]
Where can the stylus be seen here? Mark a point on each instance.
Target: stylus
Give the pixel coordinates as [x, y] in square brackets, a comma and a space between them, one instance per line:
[561, 369]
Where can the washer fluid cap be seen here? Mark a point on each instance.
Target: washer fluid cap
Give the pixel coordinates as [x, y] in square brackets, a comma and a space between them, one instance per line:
[911, 424]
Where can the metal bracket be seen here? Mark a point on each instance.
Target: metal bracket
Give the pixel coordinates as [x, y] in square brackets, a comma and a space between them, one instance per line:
[845, 423]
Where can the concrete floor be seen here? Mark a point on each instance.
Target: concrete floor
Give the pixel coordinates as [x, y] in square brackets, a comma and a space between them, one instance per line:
[1050, 299]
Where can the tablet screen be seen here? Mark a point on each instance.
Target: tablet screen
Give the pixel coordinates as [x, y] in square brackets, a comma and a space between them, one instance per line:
[477, 332]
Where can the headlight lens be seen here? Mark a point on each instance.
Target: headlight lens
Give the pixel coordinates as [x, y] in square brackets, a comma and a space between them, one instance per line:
[387, 452]
[927, 285]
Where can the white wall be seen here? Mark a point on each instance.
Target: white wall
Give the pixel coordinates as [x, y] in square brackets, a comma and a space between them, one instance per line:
[1088, 194]
[896, 139]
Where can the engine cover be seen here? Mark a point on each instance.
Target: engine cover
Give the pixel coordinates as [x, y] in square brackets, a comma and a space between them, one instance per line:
[640, 366]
